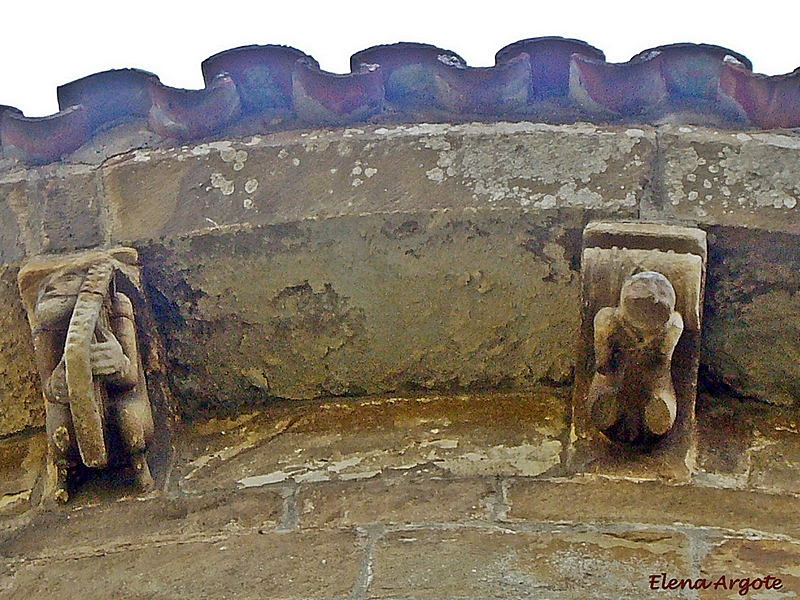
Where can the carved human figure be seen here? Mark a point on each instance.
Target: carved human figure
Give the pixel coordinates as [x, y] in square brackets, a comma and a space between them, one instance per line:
[632, 396]
[92, 377]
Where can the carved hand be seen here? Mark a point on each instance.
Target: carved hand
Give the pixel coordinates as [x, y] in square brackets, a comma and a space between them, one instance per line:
[108, 358]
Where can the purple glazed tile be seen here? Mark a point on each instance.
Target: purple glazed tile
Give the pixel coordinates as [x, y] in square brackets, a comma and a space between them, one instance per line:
[691, 74]
[10, 109]
[323, 98]
[262, 74]
[626, 90]
[550, 60]
[770, 102]
[498, 90]
[415, 76]
[110, 96]
[41, 140]
[193, 114]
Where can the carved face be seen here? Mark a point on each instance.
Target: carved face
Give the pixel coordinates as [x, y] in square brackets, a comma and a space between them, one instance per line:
[57, 296]
[647, 301]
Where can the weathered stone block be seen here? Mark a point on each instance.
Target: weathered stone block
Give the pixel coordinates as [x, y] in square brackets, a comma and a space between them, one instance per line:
[21, 463]
[256, 565]
[748, 444]
[12, 239]
[128, 521]
[296, 176]
[398, 498]
[620, 501]
[724, 437]
[752, 313]
[750, 562]
[365, 305]
[391, 439]
[21, 402]
[724, 178]
[490, 563]
[62, 210]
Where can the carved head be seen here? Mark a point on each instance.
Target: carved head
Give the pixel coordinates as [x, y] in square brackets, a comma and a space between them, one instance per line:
[647, 301]
[58, 293]
[49, 286]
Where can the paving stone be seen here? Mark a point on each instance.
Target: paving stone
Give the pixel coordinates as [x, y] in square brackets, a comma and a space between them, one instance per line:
[398, 498]
[751, 562]
[617, 501]
[496, 563]
[309, 564]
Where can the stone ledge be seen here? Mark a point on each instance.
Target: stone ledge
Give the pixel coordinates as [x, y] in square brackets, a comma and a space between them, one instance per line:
[619, 501]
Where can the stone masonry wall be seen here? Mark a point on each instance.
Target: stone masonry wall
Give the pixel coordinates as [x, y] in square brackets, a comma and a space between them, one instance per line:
[349, 261]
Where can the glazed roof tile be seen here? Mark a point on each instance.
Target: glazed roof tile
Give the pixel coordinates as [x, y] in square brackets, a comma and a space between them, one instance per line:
[555, 80]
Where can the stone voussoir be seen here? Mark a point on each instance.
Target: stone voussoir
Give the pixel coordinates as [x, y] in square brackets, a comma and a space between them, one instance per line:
[295, 176]
[740, 179]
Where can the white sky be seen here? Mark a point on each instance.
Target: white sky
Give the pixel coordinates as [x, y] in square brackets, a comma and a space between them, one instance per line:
[46, 43]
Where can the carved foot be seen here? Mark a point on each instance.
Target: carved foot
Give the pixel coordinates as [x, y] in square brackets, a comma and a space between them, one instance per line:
[144, 480]
[604, 403]
[659, 414]
[605, 413]
[55, 488]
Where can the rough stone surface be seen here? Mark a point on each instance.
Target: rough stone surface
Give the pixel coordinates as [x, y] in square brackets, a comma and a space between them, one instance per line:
[16, 238]
[21, 401]
[352, 498]
[291, 177]
[12, 244]
[752, 313]
[725, 428]
[21, 463]
[266, 565]
[399, 261]
[408, 496]
[752, 559]
[727, 178]
[498, 563]
[467, 235]
[58, 209]
[447, 436]
[746, 444]
[157, 519]
[366, 305]
[620, 501]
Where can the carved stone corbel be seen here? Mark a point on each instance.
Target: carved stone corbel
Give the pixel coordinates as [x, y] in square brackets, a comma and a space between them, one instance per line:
[639, 353]
[85, 341]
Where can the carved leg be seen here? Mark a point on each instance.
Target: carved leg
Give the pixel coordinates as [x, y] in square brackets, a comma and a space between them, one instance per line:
[603, 402]
[661, 410]
[61, 452]
[135, 422]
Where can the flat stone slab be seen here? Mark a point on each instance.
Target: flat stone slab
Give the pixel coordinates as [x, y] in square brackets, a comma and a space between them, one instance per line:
[484, 435]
